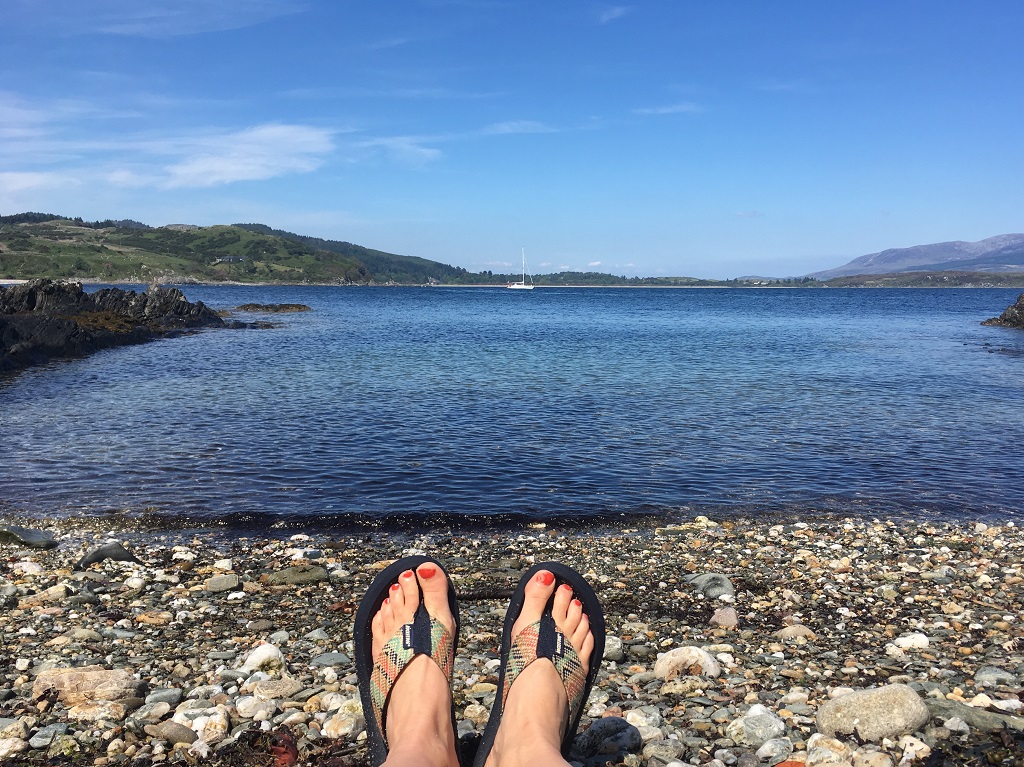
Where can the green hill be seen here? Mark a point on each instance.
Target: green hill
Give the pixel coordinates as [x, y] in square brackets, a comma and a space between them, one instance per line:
[128, 251]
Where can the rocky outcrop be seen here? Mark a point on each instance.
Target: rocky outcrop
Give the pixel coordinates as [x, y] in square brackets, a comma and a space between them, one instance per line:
[43, 319]
[1013, 317]
[274, 308]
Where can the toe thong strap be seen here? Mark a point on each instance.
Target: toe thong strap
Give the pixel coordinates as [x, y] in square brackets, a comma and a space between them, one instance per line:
[543, 639]
[423, 636]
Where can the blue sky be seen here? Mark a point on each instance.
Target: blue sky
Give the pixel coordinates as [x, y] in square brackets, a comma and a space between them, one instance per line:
[709, 139]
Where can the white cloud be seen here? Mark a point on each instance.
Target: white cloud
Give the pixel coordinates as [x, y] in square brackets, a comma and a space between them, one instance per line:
[594, 263]
[614, 12]
[749, 214]
[155, 18]
[411, 150]
[13, 181]
[516, 126]
[684, 107]
[254, 154]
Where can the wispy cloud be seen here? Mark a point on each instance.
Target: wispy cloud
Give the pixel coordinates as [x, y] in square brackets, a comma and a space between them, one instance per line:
[13, 182]
[614, 12]
[516, 126]
[682, 107]
[254, 154]
[407, 150]
[773, 85]
[594, 263]
[175, 18]
[749, 214]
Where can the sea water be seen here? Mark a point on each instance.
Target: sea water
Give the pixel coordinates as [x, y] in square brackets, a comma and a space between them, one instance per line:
[473, 403]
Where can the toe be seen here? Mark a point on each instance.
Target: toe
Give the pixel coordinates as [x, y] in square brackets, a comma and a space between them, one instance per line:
[573, 616]
[560, 604]
[410, 595]
[537, 595]
[434, 585]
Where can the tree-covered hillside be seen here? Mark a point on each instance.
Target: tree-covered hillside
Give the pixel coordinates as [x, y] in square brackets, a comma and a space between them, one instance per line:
[108, 250]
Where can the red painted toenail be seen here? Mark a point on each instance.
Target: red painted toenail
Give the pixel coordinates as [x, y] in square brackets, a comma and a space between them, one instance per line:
[577, 602]
[387, 600]
[428, 571]
[407, 574]
[394, 587]
[566, 587]
[545, 578]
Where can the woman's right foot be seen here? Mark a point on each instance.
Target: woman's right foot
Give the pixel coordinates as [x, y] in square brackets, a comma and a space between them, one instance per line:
[536, 710]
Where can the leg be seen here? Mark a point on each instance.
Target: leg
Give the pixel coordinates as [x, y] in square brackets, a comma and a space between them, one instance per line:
[536, 712]
[418, 717]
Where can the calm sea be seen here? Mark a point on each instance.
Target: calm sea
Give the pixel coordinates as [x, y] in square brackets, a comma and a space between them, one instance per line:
[434, 403]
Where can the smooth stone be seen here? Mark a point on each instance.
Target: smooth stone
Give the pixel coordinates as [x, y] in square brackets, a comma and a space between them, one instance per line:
[13, 728]
[979, 719]
[874, 714]
[11, 746]
[331, 659]
[172, 732]
[152, 712]
[774, 750]
[87, 683]
[297, 575]
[663, 751]
[219, 583]
[271, 689]
[712, 585]
[725, 617]
[756, 727]
[266, 657]
[911, 642]
[796, 631]
[44, 737]
[97, 711]
[36, 539]
[317, 635]
[170, 695]
[993, 676]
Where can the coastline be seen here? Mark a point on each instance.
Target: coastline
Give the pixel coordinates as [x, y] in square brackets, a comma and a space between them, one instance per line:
[818, 608]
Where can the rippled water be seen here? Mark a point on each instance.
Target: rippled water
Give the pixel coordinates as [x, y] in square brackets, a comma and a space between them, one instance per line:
[548, 404]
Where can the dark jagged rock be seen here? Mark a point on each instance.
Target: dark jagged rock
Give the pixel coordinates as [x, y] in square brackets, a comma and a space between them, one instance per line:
[43, 319]
[274, 308]
[1013, 317]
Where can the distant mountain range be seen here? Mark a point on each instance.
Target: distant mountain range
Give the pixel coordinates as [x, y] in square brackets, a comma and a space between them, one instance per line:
[1002, 253]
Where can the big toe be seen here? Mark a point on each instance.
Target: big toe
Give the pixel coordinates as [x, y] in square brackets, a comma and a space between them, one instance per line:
[434, 587]
[537, 595]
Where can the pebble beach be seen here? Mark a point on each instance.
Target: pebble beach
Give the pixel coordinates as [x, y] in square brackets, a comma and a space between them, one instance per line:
[839, 641]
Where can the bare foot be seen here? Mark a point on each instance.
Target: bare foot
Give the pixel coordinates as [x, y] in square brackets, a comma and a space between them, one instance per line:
[417, 721]
[537, 710]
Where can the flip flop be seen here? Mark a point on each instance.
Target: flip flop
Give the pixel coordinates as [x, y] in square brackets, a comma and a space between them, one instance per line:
[543, 640]
[422, 636]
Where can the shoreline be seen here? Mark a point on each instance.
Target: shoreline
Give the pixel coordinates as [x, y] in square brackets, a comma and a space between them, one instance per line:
[199, 283]
[927, 605]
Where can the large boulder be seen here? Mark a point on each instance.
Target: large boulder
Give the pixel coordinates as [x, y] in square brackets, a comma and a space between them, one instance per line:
[43, 319]
[1013, 317]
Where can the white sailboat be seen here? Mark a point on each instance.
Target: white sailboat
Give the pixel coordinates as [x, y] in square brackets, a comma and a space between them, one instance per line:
[524, 285]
